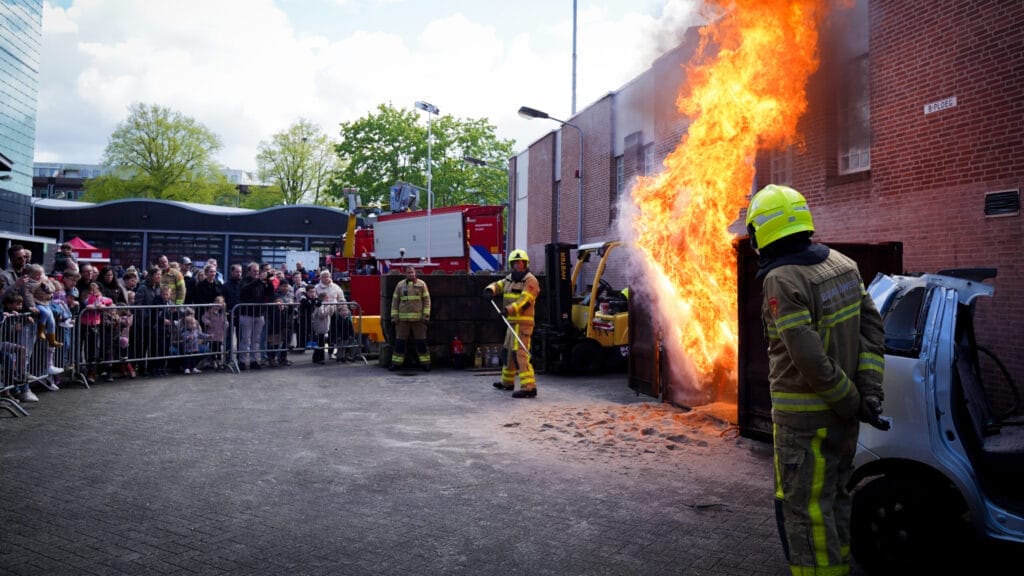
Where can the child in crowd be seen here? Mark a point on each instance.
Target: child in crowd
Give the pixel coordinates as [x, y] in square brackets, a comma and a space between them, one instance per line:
[40, 293]
[307, 303]
[59, 305]
[279, 318]
[13, 359]
[124, 350]
[166, 325]
[192, 339]
[94, 304]
[215, 319]
[320, 327]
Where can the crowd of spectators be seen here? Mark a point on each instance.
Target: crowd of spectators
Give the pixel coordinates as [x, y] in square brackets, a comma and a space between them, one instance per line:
[168, 318]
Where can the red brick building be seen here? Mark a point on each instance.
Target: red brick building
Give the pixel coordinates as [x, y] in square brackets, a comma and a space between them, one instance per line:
[914, 133]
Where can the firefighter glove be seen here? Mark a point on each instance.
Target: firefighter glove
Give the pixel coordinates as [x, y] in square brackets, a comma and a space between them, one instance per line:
[504, 312]
[488, 293]
[871, 411]
[870, 407]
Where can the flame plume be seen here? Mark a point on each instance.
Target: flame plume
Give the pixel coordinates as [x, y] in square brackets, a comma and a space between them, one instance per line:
[750, 93]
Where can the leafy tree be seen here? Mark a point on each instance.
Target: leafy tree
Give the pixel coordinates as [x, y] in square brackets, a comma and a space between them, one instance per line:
[157, 152]
[298, 161]
[381, 149]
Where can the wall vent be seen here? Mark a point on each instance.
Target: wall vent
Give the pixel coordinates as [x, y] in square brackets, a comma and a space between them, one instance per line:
[1004, 203]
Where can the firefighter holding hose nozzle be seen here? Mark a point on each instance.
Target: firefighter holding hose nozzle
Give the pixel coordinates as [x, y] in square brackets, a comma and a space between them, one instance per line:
[826, 349]
[519, 291]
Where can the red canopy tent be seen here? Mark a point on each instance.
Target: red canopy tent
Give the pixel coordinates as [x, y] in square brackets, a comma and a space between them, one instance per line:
[85, 252]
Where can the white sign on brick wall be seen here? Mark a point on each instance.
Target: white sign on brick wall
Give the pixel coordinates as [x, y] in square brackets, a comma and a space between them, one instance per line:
[940, 105]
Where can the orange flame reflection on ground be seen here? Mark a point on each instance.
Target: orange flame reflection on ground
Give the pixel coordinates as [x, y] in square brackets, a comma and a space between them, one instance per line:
[750, 93]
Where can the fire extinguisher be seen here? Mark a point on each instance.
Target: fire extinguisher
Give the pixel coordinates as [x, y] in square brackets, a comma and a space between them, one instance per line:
[458, 353]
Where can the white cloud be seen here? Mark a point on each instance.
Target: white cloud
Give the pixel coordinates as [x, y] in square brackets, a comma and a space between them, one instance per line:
[242, 69]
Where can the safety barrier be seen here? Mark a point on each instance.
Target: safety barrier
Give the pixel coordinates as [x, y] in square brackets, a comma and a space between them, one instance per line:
[268, 333]
[27, 358]
[130, 340]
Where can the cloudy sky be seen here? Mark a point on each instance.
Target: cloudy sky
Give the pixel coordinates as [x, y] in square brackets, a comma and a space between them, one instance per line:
[249, 68]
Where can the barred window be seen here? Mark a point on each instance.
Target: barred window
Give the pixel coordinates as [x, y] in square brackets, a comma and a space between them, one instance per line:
[782, 166]
[854, 124]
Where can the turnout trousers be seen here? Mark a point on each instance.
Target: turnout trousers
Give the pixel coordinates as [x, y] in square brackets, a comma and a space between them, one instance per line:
[812, 504]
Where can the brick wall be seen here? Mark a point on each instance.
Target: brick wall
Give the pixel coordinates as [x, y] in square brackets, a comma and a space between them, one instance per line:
[930, 172]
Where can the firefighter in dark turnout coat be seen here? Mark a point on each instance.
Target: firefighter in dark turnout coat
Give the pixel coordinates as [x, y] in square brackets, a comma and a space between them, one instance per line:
[410, 313]
[826, 358]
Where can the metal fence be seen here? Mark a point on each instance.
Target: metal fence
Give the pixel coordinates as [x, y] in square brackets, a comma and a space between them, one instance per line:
[27, 356]
[155, 340]
[268, 334]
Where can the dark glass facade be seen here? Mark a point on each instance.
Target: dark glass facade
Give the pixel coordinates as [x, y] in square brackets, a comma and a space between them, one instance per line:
[21, 31]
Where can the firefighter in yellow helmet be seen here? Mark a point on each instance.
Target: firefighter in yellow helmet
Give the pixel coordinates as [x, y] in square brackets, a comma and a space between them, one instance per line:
[519, 292]
[826, 358]
[410, 313]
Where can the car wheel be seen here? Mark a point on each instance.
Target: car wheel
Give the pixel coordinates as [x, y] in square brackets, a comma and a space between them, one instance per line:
[902, 527]
[587, 357]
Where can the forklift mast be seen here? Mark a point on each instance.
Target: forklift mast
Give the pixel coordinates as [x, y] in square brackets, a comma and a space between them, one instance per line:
[558, 283]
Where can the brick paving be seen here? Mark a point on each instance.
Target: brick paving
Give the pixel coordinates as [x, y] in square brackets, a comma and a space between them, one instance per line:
[350, 469]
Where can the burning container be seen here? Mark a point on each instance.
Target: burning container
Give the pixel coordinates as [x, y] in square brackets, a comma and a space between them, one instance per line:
[652, 372]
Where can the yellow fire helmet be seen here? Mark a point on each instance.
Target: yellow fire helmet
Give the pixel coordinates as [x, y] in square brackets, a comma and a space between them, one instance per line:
[518, 255]
[776, 212]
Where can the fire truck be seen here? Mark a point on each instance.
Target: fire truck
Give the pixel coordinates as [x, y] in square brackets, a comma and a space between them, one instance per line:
[454, 239]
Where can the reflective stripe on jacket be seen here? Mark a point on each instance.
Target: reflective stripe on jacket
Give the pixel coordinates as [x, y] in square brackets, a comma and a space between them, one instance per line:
[519, 298]
[825, 342]
[411, 301]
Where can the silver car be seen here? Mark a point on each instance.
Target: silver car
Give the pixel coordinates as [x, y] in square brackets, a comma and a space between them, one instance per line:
[948, 466]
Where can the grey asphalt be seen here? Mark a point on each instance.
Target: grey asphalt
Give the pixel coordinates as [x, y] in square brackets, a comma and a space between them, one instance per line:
[350, 469]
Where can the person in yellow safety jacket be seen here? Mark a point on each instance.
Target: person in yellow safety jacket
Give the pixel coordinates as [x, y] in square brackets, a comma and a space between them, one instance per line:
[826, 349]
[410, 313]
[519, 292]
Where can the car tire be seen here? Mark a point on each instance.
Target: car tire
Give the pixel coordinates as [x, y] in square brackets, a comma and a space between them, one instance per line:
[902, 526]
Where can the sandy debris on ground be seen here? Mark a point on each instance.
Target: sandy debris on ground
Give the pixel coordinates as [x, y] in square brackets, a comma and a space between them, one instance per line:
[639, 435]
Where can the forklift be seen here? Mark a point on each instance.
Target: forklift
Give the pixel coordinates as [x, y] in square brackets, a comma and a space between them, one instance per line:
[587, 331]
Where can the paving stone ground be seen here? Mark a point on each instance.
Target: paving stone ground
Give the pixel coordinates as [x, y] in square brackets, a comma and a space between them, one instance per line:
[350, 469]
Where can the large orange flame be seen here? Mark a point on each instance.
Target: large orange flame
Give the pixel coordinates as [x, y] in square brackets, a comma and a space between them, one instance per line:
[746, 89]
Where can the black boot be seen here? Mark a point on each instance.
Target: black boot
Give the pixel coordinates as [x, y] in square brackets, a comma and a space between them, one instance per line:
[531, 393]
[503, 386]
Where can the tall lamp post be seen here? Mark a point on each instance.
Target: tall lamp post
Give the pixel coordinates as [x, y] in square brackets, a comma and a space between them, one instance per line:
[431, 111]
[531, 113]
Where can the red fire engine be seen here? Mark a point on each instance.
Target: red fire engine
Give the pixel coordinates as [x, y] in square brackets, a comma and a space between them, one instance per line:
[466, 238]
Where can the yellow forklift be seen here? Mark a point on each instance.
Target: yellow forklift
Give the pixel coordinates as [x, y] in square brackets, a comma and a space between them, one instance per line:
[588, 328]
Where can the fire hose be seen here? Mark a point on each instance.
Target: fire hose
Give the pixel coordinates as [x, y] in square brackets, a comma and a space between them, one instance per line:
[510, 327]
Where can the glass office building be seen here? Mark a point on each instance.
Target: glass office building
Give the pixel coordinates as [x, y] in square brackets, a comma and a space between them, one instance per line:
[21, 32]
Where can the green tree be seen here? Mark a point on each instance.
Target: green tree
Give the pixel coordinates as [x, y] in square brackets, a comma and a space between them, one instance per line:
[157, 152]
[298, 161]
[390, 146]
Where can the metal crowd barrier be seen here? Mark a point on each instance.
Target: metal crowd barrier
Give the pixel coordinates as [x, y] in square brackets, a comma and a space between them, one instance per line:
[131, 340]
[13, 359]
[272, 333]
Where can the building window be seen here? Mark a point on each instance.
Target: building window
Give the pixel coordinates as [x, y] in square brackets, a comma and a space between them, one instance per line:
[855, 119]
[620, 177]
[198, 247]
[125, 246]
[782, 166]
[647, 160]
[245, 249]
[620, 187]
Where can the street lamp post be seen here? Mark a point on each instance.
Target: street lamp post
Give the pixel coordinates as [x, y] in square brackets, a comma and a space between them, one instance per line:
[431, 111]
[531, 113]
